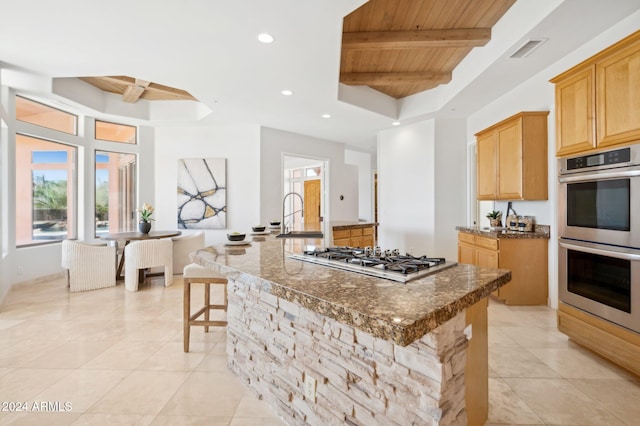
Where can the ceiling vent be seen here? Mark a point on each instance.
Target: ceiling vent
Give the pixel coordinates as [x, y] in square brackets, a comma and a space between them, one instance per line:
[526, 49]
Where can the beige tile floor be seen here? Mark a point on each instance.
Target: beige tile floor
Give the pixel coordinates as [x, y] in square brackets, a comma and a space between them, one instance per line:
[117, 358]
[538, 376]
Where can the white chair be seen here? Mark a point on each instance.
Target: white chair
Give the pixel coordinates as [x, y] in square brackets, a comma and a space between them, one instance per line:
[147, 254]
[89, 266]
[183, 246]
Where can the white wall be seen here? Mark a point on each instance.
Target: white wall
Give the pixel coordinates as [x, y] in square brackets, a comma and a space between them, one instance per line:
[451, 180]
[421, 187]
[239, 144]
[365, 182]
[342, 179]
[406, 188]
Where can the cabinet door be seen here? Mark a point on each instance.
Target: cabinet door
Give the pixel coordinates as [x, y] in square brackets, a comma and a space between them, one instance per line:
[575, 113]
[488, 258]
[618, 100]
[466, 253]
[486, 167]
[509, 141]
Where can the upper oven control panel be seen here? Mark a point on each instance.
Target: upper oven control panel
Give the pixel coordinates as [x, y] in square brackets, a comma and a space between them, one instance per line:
[614, 159]
[601, 159]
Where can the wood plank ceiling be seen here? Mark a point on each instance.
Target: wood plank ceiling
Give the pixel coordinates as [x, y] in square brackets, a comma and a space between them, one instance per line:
[403, 47]
[133, 89]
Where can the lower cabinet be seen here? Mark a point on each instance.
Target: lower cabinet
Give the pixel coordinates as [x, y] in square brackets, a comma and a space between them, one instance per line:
[525, 257]
[354, 237]
[609, 340]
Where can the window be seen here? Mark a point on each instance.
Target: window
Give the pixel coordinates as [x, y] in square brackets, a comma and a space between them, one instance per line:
[45, 191]
[115, 186]
[45, 116]
[114, 132]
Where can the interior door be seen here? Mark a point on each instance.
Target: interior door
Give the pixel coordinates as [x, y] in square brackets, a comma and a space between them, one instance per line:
[312, 197]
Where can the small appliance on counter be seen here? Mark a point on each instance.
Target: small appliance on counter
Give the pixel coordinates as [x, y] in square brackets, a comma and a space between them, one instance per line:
[511, 222]
[518, 223]
[526, 223]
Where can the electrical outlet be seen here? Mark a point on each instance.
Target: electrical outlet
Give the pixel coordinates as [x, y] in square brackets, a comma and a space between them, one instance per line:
[309, 388]
[20, 271]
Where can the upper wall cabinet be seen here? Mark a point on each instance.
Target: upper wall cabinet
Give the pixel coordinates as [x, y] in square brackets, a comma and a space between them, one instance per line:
[512, 158]
[597, 102]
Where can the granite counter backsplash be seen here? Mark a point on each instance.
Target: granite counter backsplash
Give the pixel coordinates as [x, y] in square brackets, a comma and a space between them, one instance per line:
[540, 231]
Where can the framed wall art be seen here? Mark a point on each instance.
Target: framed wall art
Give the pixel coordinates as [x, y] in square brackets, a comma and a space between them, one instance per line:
[202, 193]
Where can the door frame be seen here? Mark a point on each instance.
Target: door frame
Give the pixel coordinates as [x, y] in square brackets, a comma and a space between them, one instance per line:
[287, 159]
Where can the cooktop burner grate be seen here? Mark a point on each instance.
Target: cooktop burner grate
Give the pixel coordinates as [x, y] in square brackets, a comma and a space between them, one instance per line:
[389, 264]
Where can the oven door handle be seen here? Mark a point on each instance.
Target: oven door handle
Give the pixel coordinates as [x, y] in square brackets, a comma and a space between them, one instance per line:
[598, 176]
[608, 253]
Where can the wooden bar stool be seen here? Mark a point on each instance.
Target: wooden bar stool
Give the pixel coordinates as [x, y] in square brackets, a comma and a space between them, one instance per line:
[196, 274]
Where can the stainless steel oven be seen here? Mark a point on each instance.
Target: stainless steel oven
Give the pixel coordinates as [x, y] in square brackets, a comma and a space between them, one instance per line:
[601, 279]
[598, 193]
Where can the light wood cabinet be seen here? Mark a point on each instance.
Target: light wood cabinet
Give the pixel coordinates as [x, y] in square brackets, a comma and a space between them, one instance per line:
[618, 96]
[575, 112]
[527, 259]
[597, 105]
[609, 340]
[356, 236]
[512, 158]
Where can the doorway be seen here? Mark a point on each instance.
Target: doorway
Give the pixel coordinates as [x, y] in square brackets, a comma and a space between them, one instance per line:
[306, 177]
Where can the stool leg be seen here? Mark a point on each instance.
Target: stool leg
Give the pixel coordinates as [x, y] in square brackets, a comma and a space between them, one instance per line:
[207, 302]
[187, 313]
[225, 297]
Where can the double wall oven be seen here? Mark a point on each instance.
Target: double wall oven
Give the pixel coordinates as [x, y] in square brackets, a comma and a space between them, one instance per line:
[599, 230]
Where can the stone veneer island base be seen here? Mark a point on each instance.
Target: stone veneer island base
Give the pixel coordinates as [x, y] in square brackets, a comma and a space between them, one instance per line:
[317, 358]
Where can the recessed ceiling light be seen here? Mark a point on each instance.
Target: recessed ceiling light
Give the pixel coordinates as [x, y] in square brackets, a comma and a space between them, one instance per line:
[326, 115]
[265, 38]
[395, 123]
[287, 92]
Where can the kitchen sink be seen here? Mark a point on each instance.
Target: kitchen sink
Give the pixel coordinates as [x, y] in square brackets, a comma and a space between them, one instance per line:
[301, 234]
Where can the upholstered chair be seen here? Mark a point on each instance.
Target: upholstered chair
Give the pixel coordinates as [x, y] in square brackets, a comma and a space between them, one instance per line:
[183, 246]
[89, 266]
[147, 254]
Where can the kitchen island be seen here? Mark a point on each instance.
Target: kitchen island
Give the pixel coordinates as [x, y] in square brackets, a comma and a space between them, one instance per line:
[322, 345]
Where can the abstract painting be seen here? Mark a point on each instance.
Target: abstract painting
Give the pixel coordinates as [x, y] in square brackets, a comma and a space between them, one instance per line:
[202, 193]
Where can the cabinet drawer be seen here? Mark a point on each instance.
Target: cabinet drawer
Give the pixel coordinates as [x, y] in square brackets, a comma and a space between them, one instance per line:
[341, 241]
[488, 243]
[356, 242]
[343, 233]
[356, 232]
[466, 238]
[367, 231]
[367, 241]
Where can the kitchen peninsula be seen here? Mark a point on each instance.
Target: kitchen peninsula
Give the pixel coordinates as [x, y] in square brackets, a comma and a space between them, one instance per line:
[326, 346]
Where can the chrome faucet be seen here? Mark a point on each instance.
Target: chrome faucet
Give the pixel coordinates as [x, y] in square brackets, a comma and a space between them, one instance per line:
[283, 229]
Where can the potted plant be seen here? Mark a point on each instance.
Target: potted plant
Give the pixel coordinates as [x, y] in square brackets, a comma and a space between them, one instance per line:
[144, 226]
[495, 218]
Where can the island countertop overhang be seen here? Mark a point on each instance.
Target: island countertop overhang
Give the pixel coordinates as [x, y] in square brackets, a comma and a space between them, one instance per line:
[401, 313]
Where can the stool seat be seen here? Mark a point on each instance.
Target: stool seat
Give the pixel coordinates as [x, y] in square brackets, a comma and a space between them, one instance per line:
[194, 270]
[196, 274]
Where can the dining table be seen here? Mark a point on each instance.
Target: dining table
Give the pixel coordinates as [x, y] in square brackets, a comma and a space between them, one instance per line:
[127, 237]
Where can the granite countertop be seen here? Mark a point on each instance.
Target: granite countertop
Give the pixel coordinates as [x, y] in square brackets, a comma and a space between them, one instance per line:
[540, 231]
[341, 225]
[394, 311]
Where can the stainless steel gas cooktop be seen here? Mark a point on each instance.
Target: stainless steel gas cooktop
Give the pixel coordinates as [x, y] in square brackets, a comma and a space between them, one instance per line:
[388, 264]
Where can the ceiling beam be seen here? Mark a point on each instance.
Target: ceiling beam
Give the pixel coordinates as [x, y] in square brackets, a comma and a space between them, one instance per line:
[393, 78]
[459, 37]
[133, 92]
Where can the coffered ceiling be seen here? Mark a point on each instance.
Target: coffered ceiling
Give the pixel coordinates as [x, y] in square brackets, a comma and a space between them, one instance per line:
[391, 65]
[404, 47]
[133, 89]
